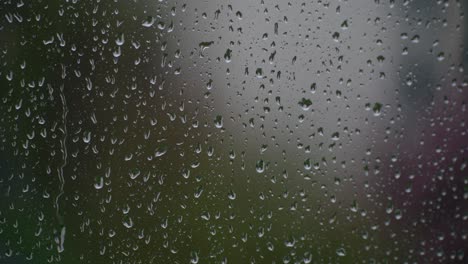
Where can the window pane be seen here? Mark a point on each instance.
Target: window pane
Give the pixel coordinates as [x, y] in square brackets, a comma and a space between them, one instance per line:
[233, 131]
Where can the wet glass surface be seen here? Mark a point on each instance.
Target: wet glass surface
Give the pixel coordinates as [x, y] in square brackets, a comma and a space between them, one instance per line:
[233, 131]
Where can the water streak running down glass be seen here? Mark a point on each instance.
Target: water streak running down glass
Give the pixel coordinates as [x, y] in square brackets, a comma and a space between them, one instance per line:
[247, 131]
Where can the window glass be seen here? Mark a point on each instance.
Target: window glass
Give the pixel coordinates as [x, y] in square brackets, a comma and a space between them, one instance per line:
[247, 131]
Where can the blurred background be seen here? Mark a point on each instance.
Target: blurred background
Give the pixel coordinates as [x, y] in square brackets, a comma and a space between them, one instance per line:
[248, 131]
